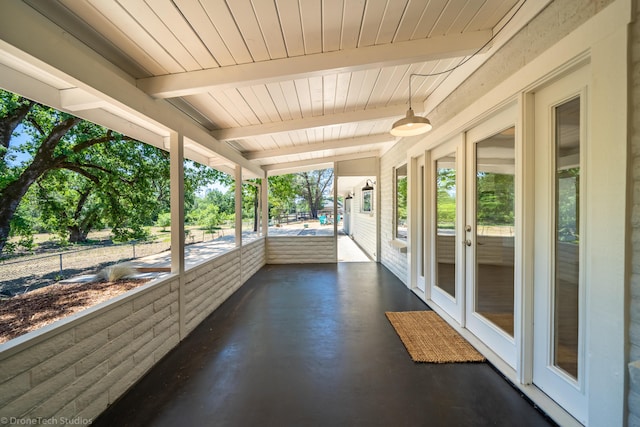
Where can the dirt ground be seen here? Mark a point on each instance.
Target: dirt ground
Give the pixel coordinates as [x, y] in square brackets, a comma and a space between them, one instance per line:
[35, 309]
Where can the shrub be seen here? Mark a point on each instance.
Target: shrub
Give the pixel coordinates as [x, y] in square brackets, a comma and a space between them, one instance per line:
[116, 272]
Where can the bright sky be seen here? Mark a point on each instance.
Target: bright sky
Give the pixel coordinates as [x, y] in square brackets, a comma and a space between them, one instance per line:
[16, 142]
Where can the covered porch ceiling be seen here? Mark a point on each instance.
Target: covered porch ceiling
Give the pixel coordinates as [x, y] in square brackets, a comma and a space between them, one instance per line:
[270, 85]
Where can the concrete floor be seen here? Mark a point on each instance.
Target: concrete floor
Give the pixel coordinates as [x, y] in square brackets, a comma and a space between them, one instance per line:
[309, 345]
[349, 251]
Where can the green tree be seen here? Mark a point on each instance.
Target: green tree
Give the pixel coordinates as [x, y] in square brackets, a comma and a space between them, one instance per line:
[250, 201]
[313, 187]
[207, 216]
[401, 200]
[446, 198]
[495, 198]
[212, 209]
[164, 220]
[87, 176]
[55, 141]
[568, 205]
[282, 194]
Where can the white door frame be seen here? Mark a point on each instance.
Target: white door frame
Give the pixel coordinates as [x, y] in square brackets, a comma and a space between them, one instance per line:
[571, 394]
[503, 345]
[454, 306]
[418, 208]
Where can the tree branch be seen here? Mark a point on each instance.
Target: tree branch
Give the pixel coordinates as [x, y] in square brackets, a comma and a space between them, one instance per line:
[79, 170]
[76, 167]
[91, 142]
[36, 125]
[10, 122]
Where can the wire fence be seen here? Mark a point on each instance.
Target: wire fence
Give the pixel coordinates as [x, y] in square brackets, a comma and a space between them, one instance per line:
[35, 271]
[29, 272]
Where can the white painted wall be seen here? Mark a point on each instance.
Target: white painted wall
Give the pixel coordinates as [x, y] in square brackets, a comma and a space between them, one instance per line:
[390, 256]
[78, 366]
[363, 224]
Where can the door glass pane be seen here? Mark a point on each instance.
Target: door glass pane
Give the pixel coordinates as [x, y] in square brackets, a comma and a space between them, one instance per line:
[421, 234]
[567, 238]
[495, 212]
[401, 203]
[446, 224]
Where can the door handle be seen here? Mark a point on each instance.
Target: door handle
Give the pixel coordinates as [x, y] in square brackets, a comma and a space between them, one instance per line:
[467, 242]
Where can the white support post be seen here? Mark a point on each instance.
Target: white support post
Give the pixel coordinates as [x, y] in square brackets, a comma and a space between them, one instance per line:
[177, 202]
[335, 207]
[238, 178]
[264, 190]
[176, 174]
[378, 209]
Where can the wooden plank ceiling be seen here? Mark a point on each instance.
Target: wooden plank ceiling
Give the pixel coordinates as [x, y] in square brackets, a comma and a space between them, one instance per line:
[286, 82]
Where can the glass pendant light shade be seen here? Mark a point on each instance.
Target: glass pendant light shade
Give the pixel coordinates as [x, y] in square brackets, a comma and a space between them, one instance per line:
[411, 125]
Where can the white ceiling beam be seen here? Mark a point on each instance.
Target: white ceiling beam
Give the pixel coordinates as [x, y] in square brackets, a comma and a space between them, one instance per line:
[76, 99]
[299, 67]
[329, 145]
[313, 122]
[280, 168]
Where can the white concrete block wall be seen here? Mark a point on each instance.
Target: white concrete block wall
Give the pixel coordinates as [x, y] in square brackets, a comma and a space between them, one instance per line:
[634, 296]
[254, 256]
[301, 249]
[363, 224]
[390, 256]
[77, 367]
[203, 295]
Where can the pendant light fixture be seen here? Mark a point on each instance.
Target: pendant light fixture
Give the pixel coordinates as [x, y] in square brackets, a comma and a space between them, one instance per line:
[368, 185]
[411, 125]
[415, 125]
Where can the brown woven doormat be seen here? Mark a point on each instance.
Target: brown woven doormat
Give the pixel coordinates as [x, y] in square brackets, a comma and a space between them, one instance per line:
[428, 338]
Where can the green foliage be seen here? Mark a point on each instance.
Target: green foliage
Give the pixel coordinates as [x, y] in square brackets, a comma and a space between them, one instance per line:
[401, 200]
[282, 195]
[127, 234]
[314, 187]
[82, 176]
[495, 198]
[568, 205]
[446, 198]
[164, 220]
[212, 210]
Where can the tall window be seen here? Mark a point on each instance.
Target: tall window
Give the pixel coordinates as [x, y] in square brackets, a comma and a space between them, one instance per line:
[567, 236]
[401, 202]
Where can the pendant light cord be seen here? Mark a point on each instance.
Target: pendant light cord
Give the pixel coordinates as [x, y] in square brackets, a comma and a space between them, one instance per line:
[464, 61]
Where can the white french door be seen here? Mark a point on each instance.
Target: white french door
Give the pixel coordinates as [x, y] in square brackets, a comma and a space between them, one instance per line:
[560, 223]
[473, 227]
[490, 233]
[446, 281]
